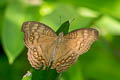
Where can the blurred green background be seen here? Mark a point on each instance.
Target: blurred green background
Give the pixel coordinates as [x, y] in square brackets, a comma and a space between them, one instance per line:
[101, 62]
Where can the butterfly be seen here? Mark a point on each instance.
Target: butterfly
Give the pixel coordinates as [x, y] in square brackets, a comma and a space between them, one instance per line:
[45, 48]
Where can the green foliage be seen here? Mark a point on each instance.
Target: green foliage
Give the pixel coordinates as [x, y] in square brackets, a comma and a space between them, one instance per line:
[11, 34]
[101, 62]
[64, 28]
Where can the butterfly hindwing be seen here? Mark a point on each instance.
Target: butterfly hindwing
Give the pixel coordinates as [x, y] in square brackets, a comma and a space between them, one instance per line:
[39, 39]
[64, 57]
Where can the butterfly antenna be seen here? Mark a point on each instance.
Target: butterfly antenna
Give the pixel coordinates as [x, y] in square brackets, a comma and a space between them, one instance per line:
[72, 20]
[60, 20]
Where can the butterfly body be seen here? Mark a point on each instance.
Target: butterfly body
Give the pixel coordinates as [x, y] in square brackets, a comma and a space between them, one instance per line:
[44, 46]
[60, 38]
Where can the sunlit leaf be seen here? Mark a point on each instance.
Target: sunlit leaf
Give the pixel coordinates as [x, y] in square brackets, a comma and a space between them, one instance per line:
[110, 7]
[11, 33]
[12, 37]
[109, 26]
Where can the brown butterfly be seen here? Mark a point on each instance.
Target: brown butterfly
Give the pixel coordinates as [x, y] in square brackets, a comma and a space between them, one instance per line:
[44, 46]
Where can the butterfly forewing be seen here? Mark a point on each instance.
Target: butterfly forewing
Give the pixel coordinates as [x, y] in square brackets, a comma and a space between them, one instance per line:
[80, 40]
[74, 44]
[39, 39]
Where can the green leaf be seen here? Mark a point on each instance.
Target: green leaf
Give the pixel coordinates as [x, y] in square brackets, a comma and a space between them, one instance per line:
[102, 65]
[14, 71]
[2, 3]
[12, 38]
[110, 7]
[44, 75]
[109, 26]
[2, 15]
[64, 28]
[76, 69]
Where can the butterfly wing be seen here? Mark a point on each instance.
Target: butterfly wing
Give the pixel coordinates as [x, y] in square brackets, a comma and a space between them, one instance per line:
[63, 58]
[39, 39]
[80, 40]
[75, 43]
